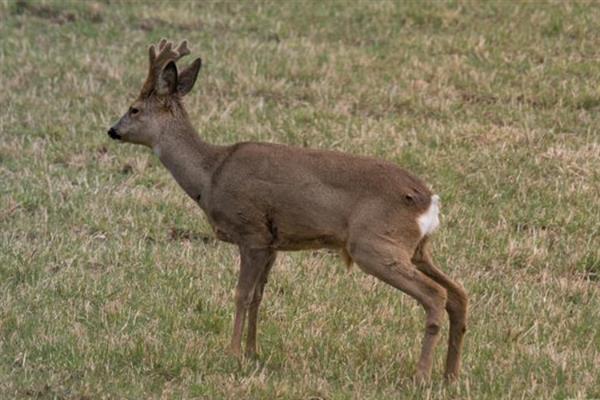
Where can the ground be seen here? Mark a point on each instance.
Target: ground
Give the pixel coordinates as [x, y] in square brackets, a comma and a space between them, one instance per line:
[113, 286]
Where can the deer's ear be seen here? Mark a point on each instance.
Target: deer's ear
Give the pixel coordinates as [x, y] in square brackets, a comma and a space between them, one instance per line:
[167, 80]
[188, 77]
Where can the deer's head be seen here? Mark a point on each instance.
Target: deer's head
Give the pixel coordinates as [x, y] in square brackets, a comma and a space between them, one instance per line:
[158, 108]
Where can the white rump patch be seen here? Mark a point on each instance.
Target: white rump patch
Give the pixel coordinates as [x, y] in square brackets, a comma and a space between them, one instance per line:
[430, 220]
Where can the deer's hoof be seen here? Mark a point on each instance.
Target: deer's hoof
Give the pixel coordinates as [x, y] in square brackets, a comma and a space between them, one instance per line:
[450, 377]
[234, 352]
[422, 378]
[251, 354]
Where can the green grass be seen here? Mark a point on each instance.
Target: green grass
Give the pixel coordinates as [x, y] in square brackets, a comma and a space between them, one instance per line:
[112, 286]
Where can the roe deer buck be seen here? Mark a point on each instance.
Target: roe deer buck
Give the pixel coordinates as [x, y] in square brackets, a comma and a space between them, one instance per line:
[266, 197]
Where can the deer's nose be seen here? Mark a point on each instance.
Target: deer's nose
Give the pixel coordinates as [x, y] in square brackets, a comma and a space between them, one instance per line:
[112, 132]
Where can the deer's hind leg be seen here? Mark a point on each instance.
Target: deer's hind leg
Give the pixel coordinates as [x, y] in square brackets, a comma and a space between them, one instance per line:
[391, 263]
[456, 306]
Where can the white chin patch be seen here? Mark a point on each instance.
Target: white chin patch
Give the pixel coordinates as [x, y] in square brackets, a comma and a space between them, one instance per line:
[429, 220]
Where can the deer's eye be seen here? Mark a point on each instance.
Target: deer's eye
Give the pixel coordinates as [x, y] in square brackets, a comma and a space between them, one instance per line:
[133, 110]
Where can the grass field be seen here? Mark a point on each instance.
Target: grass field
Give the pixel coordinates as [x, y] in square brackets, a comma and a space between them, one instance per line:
[113, 286]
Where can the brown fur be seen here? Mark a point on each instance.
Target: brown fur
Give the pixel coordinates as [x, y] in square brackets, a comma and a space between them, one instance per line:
[266, 198]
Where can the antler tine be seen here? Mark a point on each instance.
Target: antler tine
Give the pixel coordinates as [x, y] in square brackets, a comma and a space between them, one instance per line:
[182, 49]
[159, 55]
[166, 52]
[153, 48]
[162, 44]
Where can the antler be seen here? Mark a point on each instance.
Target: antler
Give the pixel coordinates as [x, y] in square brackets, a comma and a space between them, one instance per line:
[165, 54]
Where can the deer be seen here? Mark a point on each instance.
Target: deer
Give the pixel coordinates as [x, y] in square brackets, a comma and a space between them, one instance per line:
[266, 198]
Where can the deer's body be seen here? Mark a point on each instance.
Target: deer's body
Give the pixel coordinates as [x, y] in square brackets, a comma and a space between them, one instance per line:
[267, 198]
[241, 189]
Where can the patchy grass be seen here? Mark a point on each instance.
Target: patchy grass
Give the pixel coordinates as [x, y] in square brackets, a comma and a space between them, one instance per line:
[112, 286]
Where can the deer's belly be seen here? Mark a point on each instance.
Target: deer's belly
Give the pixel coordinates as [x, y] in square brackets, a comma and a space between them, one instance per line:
[273, 231]
[290, 243]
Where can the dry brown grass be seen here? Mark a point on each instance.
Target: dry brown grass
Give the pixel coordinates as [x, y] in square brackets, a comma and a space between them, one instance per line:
[111, 283]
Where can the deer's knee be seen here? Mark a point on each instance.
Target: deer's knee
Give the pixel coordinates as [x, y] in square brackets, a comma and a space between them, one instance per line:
[243, 298]
[432, 328]
[435, 312]
[257, 298]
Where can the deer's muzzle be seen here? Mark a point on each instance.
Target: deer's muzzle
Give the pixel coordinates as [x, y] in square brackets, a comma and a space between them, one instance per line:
[112, 132]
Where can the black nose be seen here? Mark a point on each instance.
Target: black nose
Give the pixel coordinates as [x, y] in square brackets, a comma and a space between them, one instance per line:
[113, 134]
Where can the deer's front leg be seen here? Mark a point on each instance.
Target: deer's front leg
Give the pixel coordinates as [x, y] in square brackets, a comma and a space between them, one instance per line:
[252, 264]
[255, 304]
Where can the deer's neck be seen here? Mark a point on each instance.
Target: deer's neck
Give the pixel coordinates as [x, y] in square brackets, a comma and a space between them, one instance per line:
[188, 158]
